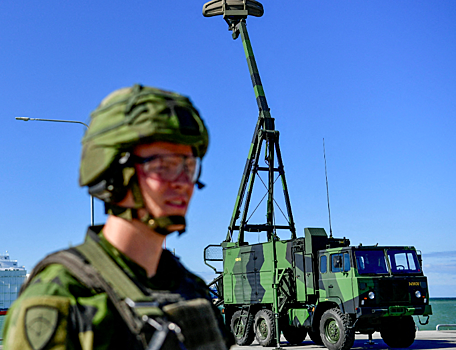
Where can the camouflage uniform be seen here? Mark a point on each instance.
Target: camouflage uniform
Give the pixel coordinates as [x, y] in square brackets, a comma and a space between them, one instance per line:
[78, 317]
[94, 297]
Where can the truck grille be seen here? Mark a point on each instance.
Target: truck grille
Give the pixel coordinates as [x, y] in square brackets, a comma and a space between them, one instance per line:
[393, 291]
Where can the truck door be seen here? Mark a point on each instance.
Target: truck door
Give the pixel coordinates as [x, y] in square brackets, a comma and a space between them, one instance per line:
[337, 281]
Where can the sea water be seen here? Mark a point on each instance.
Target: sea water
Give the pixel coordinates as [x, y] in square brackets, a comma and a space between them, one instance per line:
[443, 312]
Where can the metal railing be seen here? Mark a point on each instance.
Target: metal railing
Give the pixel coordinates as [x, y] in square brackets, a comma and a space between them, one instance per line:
[437, 328]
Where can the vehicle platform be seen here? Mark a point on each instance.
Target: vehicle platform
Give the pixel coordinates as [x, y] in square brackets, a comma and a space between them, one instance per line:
[424, 340]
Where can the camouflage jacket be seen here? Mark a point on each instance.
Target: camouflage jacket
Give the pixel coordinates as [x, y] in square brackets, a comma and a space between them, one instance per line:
[57, 311]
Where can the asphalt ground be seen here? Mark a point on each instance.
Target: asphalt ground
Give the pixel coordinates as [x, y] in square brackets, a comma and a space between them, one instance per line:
[423, 340]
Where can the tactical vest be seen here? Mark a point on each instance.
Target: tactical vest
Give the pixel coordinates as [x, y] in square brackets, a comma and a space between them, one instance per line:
[156, 319]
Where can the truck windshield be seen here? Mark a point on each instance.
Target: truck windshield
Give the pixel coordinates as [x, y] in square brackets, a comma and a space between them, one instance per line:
[403, 261]
[371, 262]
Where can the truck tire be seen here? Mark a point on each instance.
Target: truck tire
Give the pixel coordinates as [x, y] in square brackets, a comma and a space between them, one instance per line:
[242, 328]
[294, 335]
[264, 327]
[335, 331]
[398, 332]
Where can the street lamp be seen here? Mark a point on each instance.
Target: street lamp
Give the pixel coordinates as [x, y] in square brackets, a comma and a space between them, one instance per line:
[26, 119]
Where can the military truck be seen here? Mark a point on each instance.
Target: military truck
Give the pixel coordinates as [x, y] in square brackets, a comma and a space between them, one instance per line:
[316, 284]
[325, 288]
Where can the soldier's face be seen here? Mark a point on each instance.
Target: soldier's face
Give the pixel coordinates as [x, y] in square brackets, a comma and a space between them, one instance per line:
[161, 197]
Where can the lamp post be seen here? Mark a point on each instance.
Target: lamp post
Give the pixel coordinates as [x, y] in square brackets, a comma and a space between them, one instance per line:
[26, 119]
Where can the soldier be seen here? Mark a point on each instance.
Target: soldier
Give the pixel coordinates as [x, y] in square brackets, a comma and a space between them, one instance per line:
[120, 290]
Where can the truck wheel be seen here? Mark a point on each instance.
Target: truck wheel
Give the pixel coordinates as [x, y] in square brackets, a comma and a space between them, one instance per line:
[264, 327]
[242, 328]
[398, 332]
[294, 335]
[335, 331]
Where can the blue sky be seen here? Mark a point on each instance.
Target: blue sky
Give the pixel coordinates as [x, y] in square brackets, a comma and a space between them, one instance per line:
[376, 79]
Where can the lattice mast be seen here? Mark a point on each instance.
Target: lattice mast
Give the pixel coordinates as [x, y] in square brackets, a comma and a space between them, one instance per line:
[235, 14]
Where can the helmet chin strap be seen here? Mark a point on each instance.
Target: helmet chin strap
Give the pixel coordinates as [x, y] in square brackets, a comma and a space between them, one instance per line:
[161, 225]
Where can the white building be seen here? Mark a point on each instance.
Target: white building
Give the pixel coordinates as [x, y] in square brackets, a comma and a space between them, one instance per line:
[11, 278]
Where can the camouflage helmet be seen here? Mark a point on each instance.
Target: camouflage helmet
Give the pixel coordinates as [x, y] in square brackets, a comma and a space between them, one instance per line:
[128, 117]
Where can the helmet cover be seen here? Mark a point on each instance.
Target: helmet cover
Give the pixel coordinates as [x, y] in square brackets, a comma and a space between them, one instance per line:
[137, 115]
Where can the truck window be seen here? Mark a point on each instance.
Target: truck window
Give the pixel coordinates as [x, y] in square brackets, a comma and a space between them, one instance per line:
[323, 264]
[336, 265]
[371, 262]
[403, 261]
[346, 262]
[340, 262]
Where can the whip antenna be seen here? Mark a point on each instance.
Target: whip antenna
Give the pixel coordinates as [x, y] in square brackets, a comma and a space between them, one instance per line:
[327, 191]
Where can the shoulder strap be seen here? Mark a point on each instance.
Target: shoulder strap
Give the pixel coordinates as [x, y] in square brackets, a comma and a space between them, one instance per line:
[111, 272]
[72, 261]
[83, 271]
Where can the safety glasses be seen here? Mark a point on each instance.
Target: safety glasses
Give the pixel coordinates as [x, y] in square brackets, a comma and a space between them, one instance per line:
[168, 167]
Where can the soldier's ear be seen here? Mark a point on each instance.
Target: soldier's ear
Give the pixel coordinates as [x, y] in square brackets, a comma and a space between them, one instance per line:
[128, 201]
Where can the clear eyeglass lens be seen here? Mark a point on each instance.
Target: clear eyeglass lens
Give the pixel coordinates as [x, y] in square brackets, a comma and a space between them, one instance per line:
[170, 167]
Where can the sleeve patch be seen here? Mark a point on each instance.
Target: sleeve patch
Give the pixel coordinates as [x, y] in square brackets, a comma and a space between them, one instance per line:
[40, 325]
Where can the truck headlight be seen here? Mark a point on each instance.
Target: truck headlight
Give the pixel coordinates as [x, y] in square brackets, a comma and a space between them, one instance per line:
[418, 294]
[371, 295]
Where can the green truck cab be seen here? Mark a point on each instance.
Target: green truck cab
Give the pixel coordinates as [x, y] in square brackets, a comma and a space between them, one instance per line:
[321, 287]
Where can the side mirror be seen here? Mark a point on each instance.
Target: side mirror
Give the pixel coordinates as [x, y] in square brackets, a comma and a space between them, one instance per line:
[233, 8]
